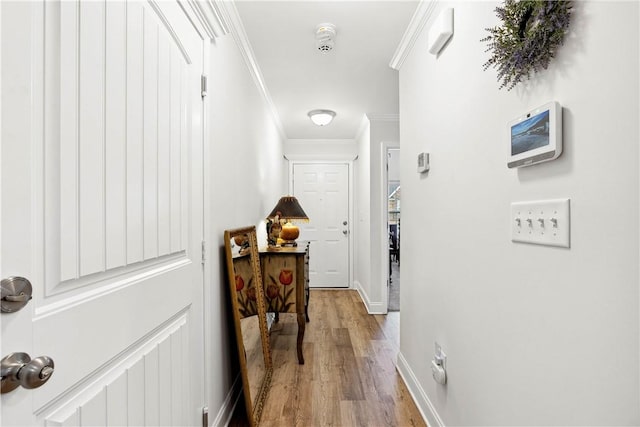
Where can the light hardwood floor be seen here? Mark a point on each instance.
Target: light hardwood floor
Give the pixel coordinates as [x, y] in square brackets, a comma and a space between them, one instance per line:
[349, 377]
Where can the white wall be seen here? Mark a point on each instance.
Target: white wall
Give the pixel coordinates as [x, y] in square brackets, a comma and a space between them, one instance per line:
[248, 175]
[361, 233]
[534, 335]
[381, 131]
[394, 165]
[371, 195]
[320, 149]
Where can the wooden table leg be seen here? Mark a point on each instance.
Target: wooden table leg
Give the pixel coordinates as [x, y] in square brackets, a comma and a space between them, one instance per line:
[301, 326]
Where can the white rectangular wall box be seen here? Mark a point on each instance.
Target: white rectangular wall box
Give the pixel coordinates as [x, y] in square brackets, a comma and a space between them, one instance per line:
[542, 222]
[423, 162]
[441, 31]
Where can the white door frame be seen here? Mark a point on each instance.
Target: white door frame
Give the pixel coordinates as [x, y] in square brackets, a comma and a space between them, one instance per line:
[206, 245]
[384, 207]
[349, 164]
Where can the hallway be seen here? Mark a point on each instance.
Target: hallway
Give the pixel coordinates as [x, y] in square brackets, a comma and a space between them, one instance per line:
[349, 378]
[134, 133]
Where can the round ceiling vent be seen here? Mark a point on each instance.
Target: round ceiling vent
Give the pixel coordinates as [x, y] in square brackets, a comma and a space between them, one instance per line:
[325, 37]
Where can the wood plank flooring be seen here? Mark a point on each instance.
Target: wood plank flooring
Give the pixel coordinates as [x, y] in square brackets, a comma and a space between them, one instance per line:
[349, 377]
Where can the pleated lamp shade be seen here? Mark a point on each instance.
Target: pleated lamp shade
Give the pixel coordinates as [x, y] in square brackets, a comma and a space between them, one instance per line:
[288, 208]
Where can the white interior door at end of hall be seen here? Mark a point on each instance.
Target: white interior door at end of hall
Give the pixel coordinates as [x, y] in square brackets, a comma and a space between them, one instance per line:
[323, 193]
[100, 171]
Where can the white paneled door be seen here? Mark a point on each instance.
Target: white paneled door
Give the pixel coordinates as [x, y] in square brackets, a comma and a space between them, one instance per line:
[323, 193]
[101, 210]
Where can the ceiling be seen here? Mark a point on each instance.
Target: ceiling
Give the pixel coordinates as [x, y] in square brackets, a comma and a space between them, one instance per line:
[353, 79]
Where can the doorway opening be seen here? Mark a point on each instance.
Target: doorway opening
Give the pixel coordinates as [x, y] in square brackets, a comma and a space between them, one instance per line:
[393, 200]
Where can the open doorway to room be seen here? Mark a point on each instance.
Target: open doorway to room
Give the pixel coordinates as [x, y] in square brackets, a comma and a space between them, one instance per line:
[393, 193]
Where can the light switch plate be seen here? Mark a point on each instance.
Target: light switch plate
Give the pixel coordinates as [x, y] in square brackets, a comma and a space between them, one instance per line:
[542, 222]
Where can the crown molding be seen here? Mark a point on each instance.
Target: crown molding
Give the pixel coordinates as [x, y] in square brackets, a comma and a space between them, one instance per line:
[418, 20]
[230, 14]
[205, 16]
[208, 13]
[368, 118]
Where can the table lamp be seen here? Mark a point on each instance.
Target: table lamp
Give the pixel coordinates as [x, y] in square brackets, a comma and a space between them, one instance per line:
[279, 226]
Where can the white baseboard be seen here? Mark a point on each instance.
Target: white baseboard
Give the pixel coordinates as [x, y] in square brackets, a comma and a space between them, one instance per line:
[228, 406]
[421, 399]
[372, 307]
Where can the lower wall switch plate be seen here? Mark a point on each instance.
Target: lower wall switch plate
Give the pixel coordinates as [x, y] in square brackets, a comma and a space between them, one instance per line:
[542, 222]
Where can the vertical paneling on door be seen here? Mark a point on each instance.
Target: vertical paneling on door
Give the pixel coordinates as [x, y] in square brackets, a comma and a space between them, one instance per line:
[116, 135]
[114, 147]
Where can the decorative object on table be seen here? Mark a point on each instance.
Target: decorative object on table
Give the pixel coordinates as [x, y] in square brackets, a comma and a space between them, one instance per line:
[249, 318]
[287, 209]
[530, 34]
[273, 231]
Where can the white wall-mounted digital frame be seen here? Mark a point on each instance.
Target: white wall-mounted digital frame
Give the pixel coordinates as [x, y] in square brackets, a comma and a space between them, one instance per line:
[535, 136]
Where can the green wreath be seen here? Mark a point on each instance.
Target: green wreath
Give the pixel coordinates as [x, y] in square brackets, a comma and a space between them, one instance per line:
[531, 32]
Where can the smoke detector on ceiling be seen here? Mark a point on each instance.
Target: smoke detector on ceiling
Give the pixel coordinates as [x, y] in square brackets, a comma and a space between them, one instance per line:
[325, 37]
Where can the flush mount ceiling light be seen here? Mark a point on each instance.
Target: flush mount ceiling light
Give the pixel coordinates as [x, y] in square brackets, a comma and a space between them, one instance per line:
[321, 117]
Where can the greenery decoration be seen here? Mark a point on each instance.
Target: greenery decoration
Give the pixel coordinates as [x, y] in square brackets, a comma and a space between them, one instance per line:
[530, 34]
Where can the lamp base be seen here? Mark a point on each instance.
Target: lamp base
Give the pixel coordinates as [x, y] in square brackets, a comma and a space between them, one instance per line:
[288, 243]
[289, 232]
[283, 245]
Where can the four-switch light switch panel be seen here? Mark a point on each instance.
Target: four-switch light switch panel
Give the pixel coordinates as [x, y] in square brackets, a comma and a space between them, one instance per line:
[542, 222]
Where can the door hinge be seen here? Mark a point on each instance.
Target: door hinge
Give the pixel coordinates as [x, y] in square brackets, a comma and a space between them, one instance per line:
[204, 251]
[203, 85]
[205, 416]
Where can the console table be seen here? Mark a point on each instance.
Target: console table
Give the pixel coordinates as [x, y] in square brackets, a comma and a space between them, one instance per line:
[285, 276]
